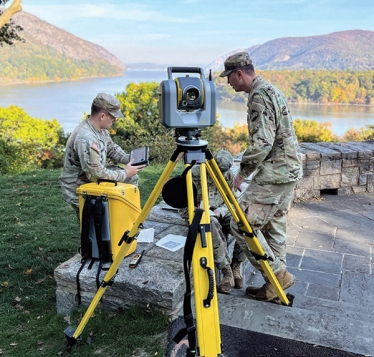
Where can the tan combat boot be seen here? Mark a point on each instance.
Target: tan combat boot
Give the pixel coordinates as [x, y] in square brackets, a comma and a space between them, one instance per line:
[252, 291]
[227, 282]
[267, 293]
[238, 279]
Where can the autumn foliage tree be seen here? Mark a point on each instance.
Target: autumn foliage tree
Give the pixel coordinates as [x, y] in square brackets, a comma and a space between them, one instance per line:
[28, 143]
[311, 131]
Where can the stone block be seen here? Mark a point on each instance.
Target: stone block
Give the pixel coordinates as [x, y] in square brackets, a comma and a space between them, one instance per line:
[305, 183]
[344, 191]
[363, 179]
[302, 193]
[327, 182]
[312, 164]
[154, 281]
[307, 172]
[370, 183]
[349, 176]
[330, 167]
[364, 166]
[358, 189]
[311, 168]
[349, 163]
[311, 154]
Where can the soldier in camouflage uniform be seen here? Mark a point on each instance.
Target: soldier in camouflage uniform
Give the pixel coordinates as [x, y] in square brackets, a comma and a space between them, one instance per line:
[220, 218]
[274, 159]
[88, 148]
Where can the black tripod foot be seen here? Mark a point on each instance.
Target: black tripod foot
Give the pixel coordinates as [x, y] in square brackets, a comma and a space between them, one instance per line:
[290, 298]
[69, 333]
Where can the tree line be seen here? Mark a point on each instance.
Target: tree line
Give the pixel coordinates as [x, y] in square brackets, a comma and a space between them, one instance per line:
[317, 86]
[28, 143]
[30, 63]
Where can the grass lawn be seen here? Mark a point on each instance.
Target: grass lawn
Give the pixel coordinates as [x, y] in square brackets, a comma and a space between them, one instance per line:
[38, 232]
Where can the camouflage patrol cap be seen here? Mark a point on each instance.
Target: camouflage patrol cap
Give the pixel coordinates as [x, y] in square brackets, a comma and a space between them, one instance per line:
[108, 103]
[224, 160]
[237, 60]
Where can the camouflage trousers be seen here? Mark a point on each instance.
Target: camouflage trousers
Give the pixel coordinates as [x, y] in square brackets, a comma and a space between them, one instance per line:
[266, 207]
[220, 250]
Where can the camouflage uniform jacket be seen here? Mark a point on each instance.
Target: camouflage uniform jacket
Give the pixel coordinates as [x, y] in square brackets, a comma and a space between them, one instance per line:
[85, 158]
[274, 151]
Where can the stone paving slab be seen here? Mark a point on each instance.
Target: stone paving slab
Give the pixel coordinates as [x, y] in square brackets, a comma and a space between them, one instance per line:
[357, 288]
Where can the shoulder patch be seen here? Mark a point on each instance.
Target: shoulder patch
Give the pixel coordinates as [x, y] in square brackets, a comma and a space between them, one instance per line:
[95, 146]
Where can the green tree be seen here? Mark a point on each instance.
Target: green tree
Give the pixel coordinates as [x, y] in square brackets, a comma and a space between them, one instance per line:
[28, 143]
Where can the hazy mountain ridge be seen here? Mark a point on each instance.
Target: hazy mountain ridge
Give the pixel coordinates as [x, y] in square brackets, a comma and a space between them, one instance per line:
[51, 53]
[36, 30]
[343, 50]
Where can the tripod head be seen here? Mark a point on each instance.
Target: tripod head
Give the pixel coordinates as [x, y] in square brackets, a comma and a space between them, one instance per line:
[188, 136]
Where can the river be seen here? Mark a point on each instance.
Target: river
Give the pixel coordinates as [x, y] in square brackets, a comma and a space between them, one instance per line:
[67, 101]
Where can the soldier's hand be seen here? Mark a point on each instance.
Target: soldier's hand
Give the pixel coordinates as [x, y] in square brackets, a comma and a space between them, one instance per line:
[133, 170]
[238, 180]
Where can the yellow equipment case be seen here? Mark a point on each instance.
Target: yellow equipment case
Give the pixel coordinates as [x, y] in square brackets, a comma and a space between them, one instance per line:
[120, 208]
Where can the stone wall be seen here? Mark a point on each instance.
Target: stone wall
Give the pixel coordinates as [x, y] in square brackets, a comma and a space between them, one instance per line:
[343, 168]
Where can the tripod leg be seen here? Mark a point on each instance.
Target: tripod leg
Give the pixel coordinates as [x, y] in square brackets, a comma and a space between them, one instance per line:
[72, 337]
[206, 303]
[245, 227]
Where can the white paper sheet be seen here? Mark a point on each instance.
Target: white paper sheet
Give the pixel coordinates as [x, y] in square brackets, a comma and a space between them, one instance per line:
[172, 242]
[146, 235]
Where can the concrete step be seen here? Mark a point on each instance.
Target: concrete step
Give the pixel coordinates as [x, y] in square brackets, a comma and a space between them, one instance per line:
[317, 321]
[345, 323]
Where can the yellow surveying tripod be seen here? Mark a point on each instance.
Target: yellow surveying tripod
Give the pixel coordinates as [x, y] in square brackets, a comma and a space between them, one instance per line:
[198, 254]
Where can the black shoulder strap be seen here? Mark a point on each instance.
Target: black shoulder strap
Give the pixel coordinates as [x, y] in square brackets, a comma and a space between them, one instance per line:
[86, 245]
[78, 297]
[187, 310]
[105, 254]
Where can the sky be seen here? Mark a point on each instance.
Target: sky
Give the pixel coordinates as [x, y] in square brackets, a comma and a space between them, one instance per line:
[195, 32]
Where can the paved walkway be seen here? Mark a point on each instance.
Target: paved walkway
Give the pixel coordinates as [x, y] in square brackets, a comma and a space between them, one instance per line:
[330, 251]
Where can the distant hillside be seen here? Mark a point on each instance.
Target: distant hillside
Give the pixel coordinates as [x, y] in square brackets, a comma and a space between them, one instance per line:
[336, 51]
[53, 54]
